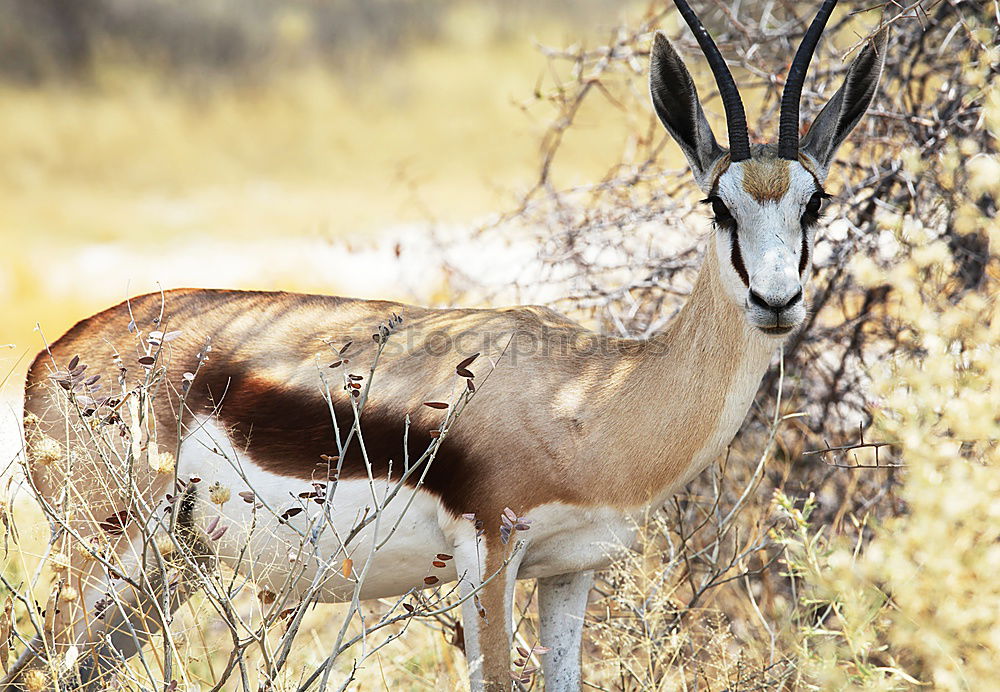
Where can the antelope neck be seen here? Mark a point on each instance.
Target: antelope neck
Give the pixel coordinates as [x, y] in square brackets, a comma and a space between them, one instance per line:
[705, 368]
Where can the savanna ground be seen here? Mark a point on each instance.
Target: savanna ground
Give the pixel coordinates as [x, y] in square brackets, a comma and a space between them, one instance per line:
[277, 149]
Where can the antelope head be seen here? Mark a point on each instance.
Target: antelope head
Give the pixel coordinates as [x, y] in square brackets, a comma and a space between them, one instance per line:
[766, 199]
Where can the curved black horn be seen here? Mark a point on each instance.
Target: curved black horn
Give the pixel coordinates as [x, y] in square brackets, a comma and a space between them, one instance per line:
[788, 125]
[736, 119]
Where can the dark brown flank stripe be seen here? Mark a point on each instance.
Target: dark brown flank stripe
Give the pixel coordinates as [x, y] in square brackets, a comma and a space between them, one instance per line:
[286, 431]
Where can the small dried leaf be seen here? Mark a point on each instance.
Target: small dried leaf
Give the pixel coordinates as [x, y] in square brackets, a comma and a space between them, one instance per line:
[408, 607]
[467, 362]
[470, 385]
[539, 649]
[73, 362]
[435, 404]
[336, 363]
[446, 556]
[521, 526]
[247, 496]
[266, 597]
[509, 513]
[147, 360]
[131, 327]
[438, 563]
[521, 650]
[435, 433]
[347, 567]
[471, 516]
[291, 512]
[220, 533]
[462, 372]
[431, 580]
[343, 349]
[188, 376]
[170, 336]
[115, 524]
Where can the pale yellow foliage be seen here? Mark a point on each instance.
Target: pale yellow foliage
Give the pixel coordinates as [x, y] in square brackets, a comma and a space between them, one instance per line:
[919, 602]
[161, 462]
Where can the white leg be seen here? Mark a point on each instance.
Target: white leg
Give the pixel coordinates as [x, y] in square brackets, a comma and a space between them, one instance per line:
[562, 602]
[469, 562]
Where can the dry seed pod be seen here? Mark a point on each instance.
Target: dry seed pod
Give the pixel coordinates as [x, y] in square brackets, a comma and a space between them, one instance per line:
[218, 493]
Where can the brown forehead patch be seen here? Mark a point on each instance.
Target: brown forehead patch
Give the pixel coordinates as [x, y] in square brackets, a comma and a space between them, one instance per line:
[766, 180]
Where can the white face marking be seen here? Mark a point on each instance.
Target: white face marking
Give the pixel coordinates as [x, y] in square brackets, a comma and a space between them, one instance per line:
[770, 235]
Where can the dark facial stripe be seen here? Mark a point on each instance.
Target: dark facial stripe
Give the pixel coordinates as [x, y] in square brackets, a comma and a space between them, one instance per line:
[804, 254]
[736, 257]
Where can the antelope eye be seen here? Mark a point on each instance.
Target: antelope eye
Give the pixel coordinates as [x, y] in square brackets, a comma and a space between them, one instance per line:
[814, 204]
[721, 211]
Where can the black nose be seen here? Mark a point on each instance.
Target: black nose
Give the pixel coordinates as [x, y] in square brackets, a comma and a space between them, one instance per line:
[759, 301]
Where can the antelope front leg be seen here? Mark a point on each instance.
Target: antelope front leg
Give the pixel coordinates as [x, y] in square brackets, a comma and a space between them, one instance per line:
[486, 617]
[562, 602]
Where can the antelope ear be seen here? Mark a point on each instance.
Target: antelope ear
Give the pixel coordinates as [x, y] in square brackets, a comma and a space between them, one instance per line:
[676, 103]
[844, 111]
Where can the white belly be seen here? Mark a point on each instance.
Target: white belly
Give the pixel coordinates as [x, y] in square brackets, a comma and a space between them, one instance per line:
[286, 556]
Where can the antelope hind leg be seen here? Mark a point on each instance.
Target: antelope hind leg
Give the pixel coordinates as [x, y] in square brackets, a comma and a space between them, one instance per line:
[562, 602]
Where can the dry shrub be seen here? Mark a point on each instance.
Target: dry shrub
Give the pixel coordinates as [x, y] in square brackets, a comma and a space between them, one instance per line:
[916, 604]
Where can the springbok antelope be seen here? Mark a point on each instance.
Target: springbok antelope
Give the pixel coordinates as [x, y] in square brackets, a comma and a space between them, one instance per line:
[577, 431]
